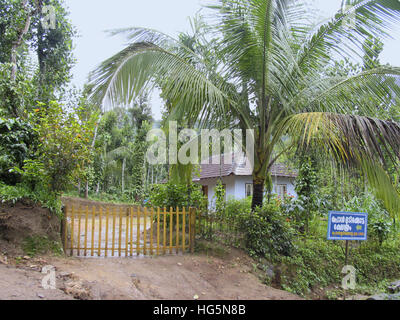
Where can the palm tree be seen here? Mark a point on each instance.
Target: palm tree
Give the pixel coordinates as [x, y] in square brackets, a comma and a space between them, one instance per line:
[113, 156]
[270, 77]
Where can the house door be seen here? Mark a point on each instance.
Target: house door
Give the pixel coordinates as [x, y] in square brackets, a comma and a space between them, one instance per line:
[205, 191]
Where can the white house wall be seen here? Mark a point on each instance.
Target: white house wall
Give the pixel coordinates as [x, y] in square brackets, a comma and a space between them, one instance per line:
[236, 186]
[288, 181]
[212, 183]
[241, 181]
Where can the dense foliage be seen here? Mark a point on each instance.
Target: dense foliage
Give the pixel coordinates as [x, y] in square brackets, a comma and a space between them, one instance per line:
[171, 195]
[119, 169]
[268, 232]
[22, 33]
[44, 145]
[263, 233]
[308, 263]
[380, 225]
[62, 151]
[317, 266]
[17, 138]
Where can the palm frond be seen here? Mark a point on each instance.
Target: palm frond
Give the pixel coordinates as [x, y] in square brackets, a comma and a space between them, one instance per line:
[362, 92]
[352, 141]
[126, 75]
[371, 18]
[349, 136]
[118, 153]
[383, 187]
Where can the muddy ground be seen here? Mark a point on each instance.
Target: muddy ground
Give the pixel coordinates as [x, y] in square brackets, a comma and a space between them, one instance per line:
[184, 277]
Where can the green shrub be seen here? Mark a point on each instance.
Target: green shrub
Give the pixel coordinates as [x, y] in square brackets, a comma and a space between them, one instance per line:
[63, 150]
[16, 138]
[375, 262]
[318, 264]
[267, 232]
[379, 221]
[13, 194]
[173, 195]
[235, 208]
[220, 198]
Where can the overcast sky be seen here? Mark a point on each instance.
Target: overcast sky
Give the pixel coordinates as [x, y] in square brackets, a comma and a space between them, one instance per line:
[93, 17]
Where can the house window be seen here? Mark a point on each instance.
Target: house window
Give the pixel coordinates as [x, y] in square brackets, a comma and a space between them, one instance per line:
[249, 190]
[281, 190]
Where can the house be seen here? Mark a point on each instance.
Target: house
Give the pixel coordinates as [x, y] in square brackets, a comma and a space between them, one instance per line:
[237, 178]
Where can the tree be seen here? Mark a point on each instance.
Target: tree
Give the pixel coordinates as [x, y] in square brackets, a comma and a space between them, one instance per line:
[138, 170]
[21, 34]
[15, 23]
[141, 112]
[53, 47]
[64, 144]
[306, 188]
[270, 78]
[119, 166]
[16, 144]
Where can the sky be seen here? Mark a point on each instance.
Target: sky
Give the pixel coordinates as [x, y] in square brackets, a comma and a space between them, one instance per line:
[93, 17]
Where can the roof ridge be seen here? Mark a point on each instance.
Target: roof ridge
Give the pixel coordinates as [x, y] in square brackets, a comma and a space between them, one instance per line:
[239, 168]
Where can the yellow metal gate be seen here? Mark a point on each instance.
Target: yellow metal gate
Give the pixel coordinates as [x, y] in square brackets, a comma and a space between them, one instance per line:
[123, 232]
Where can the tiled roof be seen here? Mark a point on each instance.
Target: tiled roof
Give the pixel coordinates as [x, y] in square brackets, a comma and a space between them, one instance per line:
[238, 167]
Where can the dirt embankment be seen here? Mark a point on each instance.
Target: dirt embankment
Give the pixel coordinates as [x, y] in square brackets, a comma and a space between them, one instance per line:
[25, 220]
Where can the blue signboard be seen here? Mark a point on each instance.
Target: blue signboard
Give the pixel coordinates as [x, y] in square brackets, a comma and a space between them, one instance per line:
[347, 226]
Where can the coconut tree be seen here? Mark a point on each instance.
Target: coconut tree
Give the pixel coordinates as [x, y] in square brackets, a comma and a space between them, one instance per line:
[267, 73]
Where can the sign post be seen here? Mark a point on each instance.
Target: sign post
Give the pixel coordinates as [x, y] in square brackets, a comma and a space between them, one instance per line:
[347, 226]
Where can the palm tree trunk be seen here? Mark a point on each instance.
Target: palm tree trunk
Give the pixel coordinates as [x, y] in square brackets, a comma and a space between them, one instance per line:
[123, 175]
[18, 42]
[87, 189]
[258, 192]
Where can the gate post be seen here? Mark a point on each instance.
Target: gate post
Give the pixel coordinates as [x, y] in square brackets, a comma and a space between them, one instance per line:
[192, 229]
[64, 229]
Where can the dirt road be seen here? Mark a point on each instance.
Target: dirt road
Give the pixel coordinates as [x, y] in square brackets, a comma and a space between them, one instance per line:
[26, 284]
[165, 278]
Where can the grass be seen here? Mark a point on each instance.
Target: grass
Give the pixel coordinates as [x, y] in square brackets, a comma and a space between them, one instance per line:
[38, 245]
[212, 249]
[13, 194]
[317, 264]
